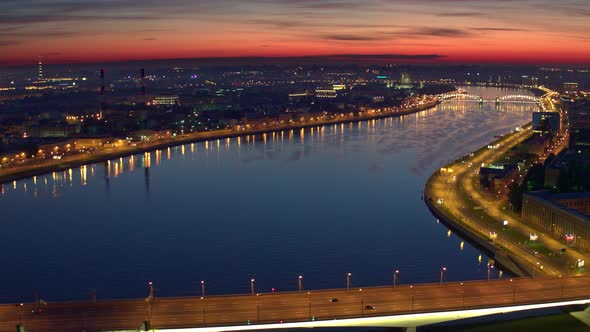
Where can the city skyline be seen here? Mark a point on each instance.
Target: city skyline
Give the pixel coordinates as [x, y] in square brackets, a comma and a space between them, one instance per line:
[448, 31]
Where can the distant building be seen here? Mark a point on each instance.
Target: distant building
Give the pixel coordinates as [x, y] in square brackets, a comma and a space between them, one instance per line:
[496, 178]
[538, 145]
[530, 80]
[579, 118]
[405, 82]
[58, 130]
[565, 216]
[164, 101]
[326, 93]
[569, 88]
[546, 123]
[405, 79]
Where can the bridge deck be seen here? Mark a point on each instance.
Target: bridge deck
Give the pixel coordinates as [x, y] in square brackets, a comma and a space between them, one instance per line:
[290, 307]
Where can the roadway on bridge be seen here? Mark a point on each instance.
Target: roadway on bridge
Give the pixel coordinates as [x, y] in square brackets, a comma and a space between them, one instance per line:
[291, 307]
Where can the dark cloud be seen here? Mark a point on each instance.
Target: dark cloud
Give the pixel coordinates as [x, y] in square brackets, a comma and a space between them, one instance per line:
[50, 18]
[461, 14]
[386, 56]
[8, 43]
[277, 23]
[499, 29]
[350, 38]
[439, 32]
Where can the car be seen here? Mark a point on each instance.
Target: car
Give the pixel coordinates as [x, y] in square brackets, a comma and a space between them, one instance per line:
[334, 300]
[37, 311]
[369, 307]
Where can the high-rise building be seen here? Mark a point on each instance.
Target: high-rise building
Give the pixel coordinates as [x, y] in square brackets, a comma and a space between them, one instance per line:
[546, 123]
[40, 70]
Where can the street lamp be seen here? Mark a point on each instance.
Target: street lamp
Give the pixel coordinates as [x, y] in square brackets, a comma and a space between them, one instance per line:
[348, 280]
[490, 267]
[300, 283]
[151, 290]
[395, 273]
[442, 274]
[202, 289]
[252, 286]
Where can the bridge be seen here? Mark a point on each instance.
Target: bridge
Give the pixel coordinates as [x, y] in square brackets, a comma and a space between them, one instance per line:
[398, 305]
[498, 100]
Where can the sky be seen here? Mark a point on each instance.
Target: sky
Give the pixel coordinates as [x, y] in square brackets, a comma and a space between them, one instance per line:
[447, 31]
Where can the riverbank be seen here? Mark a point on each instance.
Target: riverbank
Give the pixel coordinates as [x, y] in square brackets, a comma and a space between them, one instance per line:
[50, 165]
[455, 198]
[474, 232]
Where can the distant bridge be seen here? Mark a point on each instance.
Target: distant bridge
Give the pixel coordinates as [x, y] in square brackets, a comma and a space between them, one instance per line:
[407, 306]
[498, 100]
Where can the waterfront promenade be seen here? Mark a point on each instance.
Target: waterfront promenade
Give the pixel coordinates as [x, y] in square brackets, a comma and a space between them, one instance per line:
[303, 306]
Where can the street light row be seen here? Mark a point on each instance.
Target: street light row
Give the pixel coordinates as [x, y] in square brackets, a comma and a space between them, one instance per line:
[443, 270]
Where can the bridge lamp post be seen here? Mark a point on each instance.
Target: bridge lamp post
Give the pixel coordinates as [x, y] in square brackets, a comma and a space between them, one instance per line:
[395, 273]
[252, 286]
[300, 283]
[490, 267]
[442, 274]
[20, 315]
[151, 290]
[348, 280]
[202, 289]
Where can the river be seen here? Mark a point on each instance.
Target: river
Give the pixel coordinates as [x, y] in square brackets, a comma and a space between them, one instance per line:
[319, 202]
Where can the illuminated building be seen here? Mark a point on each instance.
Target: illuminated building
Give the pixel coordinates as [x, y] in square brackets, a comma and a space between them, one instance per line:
[569, 88]
[405, 82]
[565, 216]
[40, 70]
[326, 93]
[546, 123]
[164, 101]
[495, 178]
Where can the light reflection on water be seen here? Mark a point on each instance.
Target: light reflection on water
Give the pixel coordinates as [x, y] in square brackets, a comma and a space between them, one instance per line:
[321, 201]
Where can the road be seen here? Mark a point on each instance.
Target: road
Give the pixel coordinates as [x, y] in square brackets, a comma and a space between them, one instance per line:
[291, 307]
[467, 203]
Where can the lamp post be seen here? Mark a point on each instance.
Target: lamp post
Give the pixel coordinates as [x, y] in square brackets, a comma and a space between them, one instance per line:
[490, 267]
[300, 283]
[149, 300]
[442, 274]
[202, 289]
[252, 286]
[151, 290]
[20, 315]
[395, 273]
[348, 280]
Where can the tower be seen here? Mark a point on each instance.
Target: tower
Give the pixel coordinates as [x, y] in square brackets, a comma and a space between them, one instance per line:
[142, 81]
[101, 91]
[102, 81]
[40, 70]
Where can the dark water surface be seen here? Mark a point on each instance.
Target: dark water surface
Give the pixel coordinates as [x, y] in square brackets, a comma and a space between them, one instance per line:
[321, 202]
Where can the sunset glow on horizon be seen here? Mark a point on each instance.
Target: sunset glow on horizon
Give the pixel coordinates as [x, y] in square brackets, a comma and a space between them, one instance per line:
[72, 31]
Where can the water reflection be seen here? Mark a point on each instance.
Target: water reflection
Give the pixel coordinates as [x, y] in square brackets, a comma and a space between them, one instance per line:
[384, 133]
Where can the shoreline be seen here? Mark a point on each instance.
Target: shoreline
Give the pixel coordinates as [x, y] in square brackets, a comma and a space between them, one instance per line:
[502, 256]
[32, 170]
